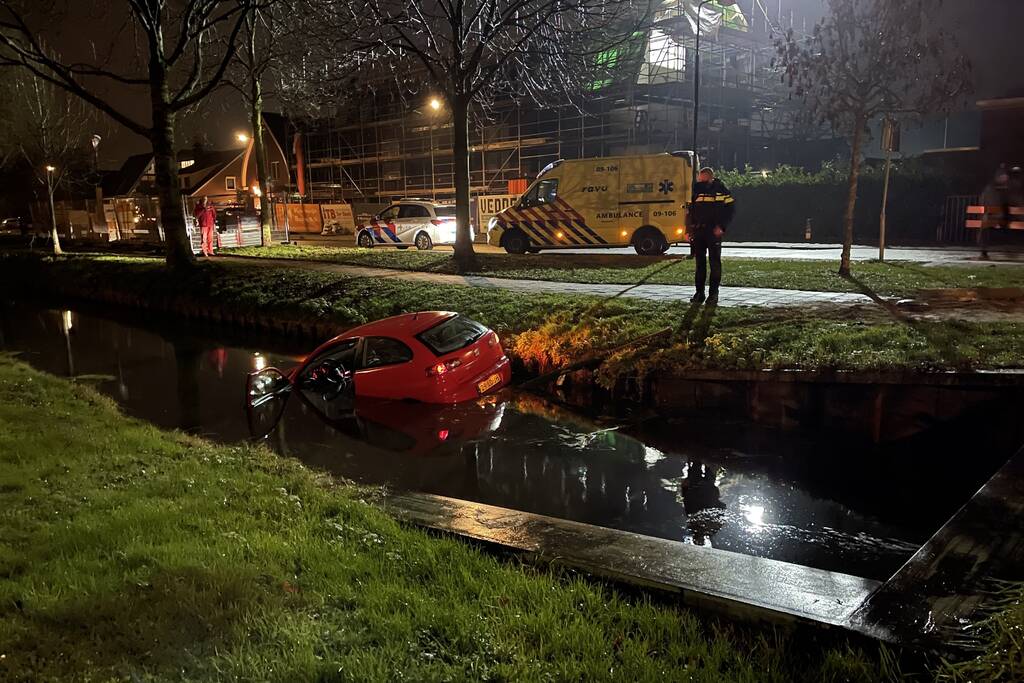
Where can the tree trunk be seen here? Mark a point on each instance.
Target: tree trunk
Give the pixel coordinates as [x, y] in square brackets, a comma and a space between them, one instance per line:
[165, 167]
[53, 226]
[851, 196]
[465, 257]
[262, 170]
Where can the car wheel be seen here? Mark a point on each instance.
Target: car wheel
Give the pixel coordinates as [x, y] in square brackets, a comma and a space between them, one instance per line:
[649, 242]
[365, 240]
[423, 242]
[515, 242]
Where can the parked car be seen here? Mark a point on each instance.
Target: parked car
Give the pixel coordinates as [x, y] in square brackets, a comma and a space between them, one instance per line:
[16, 226]
[409, 223]
[434, 357]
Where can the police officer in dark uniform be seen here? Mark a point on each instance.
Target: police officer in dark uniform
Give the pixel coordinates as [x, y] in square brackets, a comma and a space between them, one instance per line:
[710, 214]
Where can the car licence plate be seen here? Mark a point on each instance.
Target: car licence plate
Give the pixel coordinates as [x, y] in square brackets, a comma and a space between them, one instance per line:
[488, 383]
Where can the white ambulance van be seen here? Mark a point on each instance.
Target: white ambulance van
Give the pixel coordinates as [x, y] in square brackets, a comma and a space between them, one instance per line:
[639, 201]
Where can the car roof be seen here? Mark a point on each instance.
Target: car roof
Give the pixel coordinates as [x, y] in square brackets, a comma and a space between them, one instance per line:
[419, 202]
[408, 324]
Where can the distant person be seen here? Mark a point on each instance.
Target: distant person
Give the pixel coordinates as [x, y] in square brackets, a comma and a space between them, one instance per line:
[206, 217]
[996, 200]
[1015, 190]
[710, 214]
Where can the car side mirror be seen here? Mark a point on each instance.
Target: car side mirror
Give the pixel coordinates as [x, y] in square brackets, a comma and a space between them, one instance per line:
[266, 395]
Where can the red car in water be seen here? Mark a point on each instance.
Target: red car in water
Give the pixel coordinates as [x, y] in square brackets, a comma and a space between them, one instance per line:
[434, 357]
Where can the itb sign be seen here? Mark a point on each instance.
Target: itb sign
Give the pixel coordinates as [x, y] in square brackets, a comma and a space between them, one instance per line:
[490, 204]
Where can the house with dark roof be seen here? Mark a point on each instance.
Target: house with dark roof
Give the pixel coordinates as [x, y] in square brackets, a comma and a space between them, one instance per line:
[226, 177]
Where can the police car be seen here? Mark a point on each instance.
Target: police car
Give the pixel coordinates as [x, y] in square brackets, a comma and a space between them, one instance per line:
[409, 223]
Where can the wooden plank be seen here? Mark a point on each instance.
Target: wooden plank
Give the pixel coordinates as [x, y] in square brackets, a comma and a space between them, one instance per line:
[928, 601]
[743, 586]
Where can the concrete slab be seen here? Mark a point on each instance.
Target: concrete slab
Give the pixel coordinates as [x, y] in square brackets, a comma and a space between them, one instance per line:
[743, 586]
[933, 598]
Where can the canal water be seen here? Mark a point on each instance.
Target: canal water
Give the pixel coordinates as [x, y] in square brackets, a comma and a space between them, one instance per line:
[821, 500]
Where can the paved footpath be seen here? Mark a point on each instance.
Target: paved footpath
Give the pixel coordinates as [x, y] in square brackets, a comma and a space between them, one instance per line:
[728, 296]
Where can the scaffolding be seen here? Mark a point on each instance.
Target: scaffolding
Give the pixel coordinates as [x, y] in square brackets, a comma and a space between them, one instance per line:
[384, 149]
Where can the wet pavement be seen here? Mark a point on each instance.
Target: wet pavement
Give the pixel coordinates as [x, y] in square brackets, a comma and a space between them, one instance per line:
[936, 255]
[819, 500]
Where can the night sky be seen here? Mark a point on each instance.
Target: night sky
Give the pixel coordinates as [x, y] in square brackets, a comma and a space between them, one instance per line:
[988, 30]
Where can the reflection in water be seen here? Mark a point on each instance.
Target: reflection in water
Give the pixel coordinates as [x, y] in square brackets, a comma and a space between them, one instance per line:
[731, 485]
[701, 500]
[187, 355]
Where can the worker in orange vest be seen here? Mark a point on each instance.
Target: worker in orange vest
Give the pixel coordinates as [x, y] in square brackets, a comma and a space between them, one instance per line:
[206, 217]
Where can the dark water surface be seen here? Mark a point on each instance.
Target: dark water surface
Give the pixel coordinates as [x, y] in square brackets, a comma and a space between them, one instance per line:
[820, 500]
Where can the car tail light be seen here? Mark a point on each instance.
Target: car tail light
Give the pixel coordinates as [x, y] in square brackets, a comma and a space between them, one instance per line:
[442, 435]
[435, 221]
[440, 369]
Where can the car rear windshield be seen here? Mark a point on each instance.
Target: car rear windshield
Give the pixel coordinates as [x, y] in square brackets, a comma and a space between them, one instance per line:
[445, 211]
[452, 334]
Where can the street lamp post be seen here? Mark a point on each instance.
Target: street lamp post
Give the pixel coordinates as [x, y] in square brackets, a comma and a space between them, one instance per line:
[98, 188]
[696, 66]
[53, 213]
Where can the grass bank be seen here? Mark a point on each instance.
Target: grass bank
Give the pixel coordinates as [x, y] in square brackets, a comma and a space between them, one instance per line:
[545, 331]
[894, 278]
[127, 553]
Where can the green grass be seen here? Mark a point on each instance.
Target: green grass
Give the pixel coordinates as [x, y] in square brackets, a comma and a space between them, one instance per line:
[127, 553]
[895, 278]
[546, 331]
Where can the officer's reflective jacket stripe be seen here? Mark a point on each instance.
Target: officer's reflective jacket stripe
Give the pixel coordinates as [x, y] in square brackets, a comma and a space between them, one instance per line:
[713, 204]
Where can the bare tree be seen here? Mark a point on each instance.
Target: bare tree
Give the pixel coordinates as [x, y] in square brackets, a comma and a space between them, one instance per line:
[262, 47]
[179, 63]
[475, 51]
[43, 126]
[869, 58]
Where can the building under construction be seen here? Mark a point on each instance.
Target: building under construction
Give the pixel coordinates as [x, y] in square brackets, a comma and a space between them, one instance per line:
[384, 150]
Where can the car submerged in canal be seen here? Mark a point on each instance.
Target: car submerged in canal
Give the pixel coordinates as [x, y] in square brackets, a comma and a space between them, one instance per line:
[432, 357]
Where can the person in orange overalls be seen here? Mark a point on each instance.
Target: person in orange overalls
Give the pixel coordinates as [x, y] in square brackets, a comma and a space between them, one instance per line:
[206, 216]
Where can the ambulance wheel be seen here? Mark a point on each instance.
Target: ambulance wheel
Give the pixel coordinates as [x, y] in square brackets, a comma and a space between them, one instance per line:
[533, 250]
[423, 242]
[515, 242]
[365, 240]
[649, 242]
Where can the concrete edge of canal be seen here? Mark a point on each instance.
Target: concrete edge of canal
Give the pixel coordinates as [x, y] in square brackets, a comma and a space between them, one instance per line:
[927, 604]
[742, 586]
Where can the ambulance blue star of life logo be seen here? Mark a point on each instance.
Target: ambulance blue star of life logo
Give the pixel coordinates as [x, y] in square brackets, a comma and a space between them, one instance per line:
[666, 186]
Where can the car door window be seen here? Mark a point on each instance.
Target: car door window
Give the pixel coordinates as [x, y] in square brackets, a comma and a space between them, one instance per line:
[326, 380]
[343, 353]
[389, 214]
[381, 351]
[413, 211]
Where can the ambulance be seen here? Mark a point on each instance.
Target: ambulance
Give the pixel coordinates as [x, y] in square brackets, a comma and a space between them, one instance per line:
[639, 201]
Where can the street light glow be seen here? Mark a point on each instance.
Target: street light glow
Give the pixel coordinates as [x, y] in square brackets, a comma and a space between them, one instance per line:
[50, 169]
[242, 137]
[435, 103]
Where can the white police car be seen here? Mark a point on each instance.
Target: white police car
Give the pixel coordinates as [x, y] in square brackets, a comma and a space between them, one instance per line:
[409, 223]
